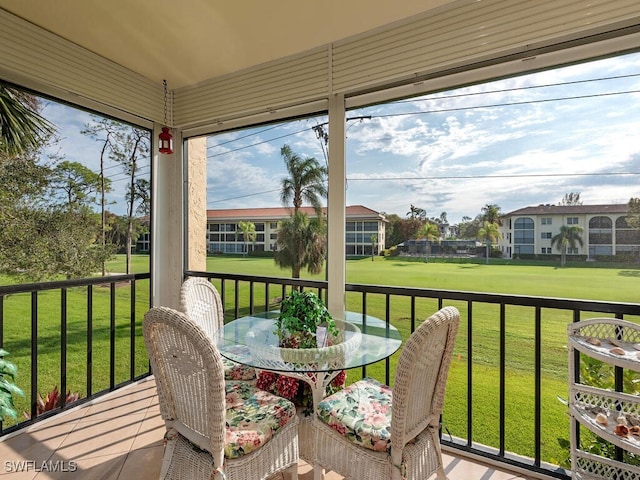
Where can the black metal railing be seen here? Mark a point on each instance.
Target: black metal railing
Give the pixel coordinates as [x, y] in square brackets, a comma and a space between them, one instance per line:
[243, 294]
[92, 329]
[81, 336]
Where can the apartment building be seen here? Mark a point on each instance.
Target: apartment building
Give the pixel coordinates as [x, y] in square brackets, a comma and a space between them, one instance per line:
[365, 229]
[528, 231]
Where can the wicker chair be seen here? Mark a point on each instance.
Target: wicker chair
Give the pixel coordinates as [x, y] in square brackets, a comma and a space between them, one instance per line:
[215, 429]
[200, 300]
[391, 439]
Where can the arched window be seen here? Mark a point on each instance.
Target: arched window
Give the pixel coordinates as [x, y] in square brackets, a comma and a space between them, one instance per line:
[601, 233]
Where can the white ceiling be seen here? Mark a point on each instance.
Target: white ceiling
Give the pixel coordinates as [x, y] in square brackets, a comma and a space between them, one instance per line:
[189, 41]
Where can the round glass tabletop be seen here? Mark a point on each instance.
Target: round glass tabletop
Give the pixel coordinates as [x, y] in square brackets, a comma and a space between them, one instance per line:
[362, 340]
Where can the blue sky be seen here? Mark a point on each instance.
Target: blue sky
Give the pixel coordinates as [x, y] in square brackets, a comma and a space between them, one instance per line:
[514, 142]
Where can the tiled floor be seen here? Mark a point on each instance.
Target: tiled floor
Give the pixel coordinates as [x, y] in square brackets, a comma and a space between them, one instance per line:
[119, 437]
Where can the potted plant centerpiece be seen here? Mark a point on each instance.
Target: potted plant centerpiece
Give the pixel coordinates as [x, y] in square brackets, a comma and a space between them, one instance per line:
[305, 322]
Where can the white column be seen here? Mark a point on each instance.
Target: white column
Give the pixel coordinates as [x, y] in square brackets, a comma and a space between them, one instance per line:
[336, 273]
[167, 223]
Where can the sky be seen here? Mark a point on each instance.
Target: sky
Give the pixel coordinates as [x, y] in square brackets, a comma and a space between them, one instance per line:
[515, 142]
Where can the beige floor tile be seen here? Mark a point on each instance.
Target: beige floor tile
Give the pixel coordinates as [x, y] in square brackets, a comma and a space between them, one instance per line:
[142, 464]
[134, 401]
[151, 432]
[37, 443]
[106, 436]
[101, 467]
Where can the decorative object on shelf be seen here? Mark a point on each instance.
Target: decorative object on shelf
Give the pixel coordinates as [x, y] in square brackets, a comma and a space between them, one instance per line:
[165, 137]
[8, 388]
[610, 413]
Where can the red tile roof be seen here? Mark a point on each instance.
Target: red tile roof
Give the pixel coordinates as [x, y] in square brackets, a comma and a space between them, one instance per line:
[569, 209]
[281, 212]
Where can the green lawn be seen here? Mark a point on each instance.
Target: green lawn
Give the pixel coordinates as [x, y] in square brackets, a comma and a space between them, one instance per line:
[584, 281]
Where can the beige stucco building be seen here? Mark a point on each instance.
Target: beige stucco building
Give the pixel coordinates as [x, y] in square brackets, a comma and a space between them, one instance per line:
[605, 231]
[365, 229]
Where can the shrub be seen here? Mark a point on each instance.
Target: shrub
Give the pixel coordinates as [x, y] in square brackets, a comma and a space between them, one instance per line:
[8, 388]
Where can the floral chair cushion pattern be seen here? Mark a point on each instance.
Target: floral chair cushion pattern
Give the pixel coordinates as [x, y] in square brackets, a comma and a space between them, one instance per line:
[361, 412]
[253, 416]
[238, 371]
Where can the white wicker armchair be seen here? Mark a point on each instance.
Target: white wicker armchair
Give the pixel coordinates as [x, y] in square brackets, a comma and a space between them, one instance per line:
[200, 300]
[215, 429]
[396, 434]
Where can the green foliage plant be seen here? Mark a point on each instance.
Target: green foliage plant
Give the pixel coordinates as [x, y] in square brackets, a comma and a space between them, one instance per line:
[8, 388]
[301, 313]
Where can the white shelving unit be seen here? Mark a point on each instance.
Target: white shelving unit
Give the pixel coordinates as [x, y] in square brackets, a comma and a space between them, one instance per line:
[615, 342]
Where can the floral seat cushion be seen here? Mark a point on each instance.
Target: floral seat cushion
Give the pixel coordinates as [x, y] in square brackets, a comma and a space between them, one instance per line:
[253, 416]
[361, 413]
[238, 371]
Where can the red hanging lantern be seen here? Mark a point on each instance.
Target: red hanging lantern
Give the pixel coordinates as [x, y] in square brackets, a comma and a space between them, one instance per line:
[166, 141]
[165, 137]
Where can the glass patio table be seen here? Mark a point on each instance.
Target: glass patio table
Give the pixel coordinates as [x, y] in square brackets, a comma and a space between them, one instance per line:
[362, 340]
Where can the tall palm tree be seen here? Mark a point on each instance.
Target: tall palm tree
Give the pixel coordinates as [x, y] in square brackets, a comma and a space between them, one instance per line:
[305, 183]
[429, 232]
[568, 236]
[22, 128]
[491, 213]
[302, 241]
[301, 244]
[248, 230]
[489, 232]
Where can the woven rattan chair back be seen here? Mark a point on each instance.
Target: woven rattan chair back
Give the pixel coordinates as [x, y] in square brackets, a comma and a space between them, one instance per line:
[189, 378]
[417, 402]
[421, 378]
[200, 300]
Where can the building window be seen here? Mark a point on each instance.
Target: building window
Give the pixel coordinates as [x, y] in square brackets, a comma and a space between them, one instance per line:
[545, 235]
[572, 220]
[545, 221]
[259, 227]
[523, 236]
[546, 250]
[273, 225]
[572, 251]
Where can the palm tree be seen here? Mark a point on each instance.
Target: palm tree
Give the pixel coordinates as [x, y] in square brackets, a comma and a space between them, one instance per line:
[568, 236]
[491, 213]
[374, 240]
[429, 232]
[301, 244]
[416, 213]
[248, 233]
[22, 128]
[306, 181]
[301, 241]
[489, 232]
